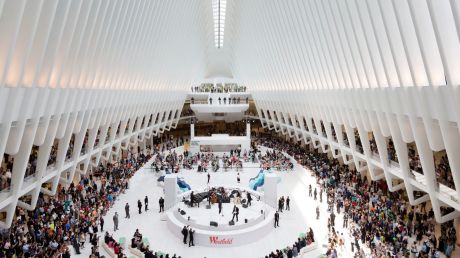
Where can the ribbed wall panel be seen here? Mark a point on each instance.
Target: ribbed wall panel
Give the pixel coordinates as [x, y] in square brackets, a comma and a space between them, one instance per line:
[381, 66]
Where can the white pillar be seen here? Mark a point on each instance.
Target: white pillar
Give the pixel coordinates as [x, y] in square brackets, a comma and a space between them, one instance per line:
[170, 187]
[248, 129]
[271, 190]
[192, 131]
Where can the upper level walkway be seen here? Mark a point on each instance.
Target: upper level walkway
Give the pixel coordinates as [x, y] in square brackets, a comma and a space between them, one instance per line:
[442, 194]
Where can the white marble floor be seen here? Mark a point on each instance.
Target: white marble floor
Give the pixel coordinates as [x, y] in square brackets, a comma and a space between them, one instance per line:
[153, 226]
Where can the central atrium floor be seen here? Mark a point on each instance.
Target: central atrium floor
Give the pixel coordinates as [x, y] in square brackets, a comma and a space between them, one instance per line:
[153, 225]
[150, 224]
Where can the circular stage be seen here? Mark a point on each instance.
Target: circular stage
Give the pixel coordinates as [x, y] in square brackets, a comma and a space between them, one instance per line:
[219, 230]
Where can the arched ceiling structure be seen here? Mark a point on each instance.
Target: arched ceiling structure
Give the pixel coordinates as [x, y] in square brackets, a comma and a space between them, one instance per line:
[121, 68]
[294, 45]
[333, 44]
[103, 44]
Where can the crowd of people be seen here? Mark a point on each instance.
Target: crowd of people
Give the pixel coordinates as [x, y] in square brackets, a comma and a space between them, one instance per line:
[443, 172]
[5, 172]
[379, 223]
[113, 244]
[74, 215]
[169, 162]
[414, 160]
[172, 162]
[141, 244]
[70, 217]
[275, 160]
[224, 100]
[304, 240]
[219, 88]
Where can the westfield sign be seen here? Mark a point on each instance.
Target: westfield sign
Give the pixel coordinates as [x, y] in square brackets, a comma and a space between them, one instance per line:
[224, 241]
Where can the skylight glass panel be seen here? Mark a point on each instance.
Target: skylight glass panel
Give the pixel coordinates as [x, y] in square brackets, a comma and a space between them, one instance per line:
[218, 13]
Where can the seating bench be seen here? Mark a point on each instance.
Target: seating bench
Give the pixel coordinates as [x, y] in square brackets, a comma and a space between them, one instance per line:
[109, 250]
[122, 242]
[136, 252]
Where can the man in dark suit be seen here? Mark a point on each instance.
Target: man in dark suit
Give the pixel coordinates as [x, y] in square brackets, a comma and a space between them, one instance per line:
[220, 206]
[192, 197]
[236, 212]
[249, 197]
[146, 203]
[139, 205]
[277, 219]
[191, 232]
[185, 234]
[127, 211]
[162, 204]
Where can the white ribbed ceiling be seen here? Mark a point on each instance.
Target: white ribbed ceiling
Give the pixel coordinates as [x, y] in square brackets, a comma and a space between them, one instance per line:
[116, 44]
[328, 44]
[267, 45]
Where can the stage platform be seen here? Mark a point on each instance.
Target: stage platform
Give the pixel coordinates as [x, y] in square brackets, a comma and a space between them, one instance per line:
[215, 230]
[201, 217]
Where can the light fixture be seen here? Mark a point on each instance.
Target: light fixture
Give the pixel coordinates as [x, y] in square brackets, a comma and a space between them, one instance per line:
[218, 13]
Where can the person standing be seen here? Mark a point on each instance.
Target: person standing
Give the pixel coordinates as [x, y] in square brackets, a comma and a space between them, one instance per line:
[315, 193]
[115, 221]
[220, 205]
[345, 220]
[139, 205]
[235, 212]
[249, 197]
[238, 179]
[162, 204]
[317, 212]
[277, 219]
[101, 223]
[209, 177]
[192, 197]
[190, 237]
[309, 191]
[281, 204]
[185, 234]
[332, 219]
[127, 211]
[321, 195]
[146, 203]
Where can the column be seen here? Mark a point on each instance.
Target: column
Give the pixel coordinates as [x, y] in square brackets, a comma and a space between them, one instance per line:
[192, 130]
[248, 129]
[271, 190]
[170, 187]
